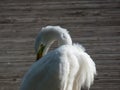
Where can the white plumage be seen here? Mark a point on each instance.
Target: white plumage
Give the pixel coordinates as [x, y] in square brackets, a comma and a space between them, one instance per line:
[68, 67]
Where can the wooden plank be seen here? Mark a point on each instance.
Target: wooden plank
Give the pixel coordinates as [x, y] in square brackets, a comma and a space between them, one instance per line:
[93, 23]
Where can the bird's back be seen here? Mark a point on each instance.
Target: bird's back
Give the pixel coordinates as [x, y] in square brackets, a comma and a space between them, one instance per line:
[60, 69]
[48, 73]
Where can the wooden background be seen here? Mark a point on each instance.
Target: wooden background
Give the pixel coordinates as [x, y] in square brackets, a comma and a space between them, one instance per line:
[93, 23]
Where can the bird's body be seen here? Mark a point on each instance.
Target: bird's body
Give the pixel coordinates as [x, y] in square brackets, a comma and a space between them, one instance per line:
[68, 67]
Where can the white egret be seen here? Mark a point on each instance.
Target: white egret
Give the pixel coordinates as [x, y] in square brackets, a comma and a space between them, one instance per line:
[68, 67]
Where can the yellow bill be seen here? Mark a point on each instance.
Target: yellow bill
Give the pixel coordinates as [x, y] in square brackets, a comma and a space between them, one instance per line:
[40, 52]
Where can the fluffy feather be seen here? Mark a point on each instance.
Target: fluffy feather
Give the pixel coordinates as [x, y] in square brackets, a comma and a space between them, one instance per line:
[87, 69]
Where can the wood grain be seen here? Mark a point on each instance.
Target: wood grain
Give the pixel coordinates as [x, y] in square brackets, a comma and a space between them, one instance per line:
[93, 23]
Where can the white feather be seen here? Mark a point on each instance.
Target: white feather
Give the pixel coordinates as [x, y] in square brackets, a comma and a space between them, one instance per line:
[68, 67]
[87, 68]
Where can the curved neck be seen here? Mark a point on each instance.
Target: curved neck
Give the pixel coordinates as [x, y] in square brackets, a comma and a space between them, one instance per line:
[56, 34]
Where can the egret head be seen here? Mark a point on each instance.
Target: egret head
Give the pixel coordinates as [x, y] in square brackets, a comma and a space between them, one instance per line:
[47, 36]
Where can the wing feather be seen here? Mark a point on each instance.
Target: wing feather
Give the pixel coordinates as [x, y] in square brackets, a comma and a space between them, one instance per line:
[49, 73]
[87, 68]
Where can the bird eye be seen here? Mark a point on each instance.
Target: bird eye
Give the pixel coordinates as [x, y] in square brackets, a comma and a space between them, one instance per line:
[63, 36]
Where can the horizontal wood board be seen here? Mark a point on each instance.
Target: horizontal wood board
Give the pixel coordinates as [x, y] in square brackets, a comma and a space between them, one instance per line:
[93, 23]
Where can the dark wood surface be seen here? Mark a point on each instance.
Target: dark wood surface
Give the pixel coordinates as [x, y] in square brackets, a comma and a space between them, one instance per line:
[93, 23]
